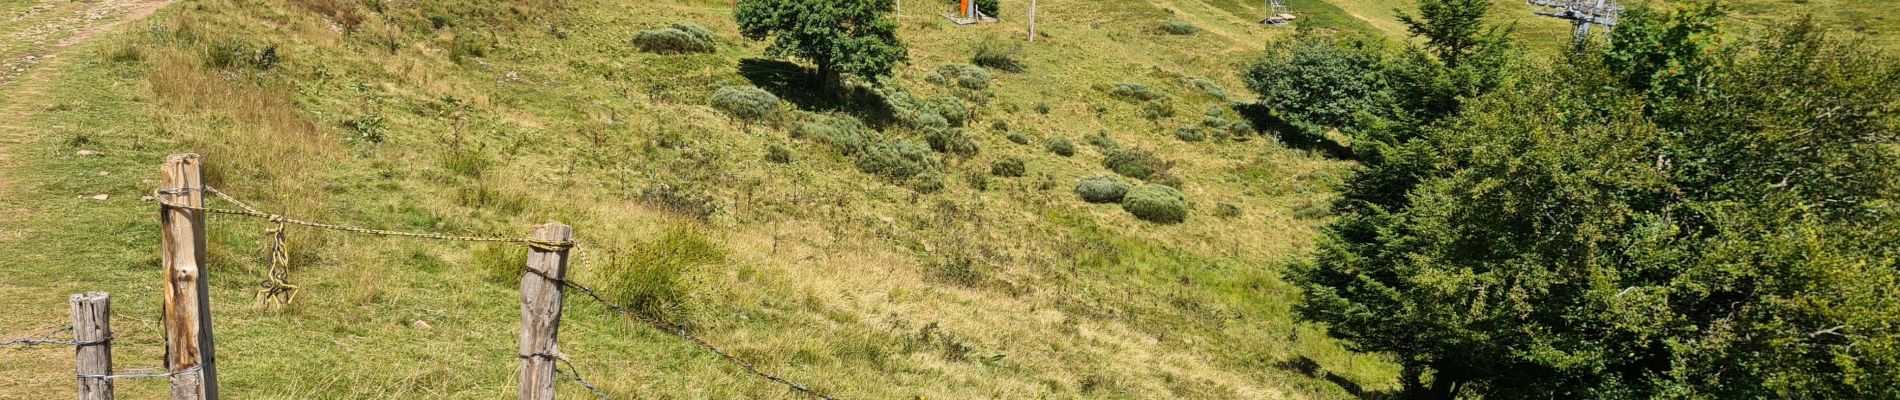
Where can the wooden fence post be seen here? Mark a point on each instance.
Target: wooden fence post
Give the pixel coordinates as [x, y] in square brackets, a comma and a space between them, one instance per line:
[92, 343]
[187, 314]
[541, 311]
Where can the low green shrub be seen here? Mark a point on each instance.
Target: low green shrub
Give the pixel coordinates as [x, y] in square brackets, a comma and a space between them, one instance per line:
[1179, 28]
[746, 104]
[777, 153]
[676, 39]
[1061, 146]
[842, 132]
[1190, 133]
[1155, 111]
[899, 159]
[1227, 210]
[1134, 92]
[1042, 107]
[1018, 138]
[1133, 163]
[1101, 189]
[1156, 203]
[1011, 166]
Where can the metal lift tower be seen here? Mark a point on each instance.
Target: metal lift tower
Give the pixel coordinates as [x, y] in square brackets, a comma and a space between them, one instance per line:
[1583, 13]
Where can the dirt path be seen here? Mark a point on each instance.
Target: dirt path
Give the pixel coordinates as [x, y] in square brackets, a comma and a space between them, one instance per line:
[32, 53]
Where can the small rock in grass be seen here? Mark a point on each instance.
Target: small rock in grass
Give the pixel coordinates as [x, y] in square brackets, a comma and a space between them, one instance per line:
[419, 324]
[100, 197]
[103, 173]
[88, 153]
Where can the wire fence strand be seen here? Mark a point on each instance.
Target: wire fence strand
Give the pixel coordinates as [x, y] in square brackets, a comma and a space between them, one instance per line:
[160, 196]
[683, 334]
[48, 338]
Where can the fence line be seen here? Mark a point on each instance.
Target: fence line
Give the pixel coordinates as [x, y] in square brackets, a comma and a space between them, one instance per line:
[160, 196]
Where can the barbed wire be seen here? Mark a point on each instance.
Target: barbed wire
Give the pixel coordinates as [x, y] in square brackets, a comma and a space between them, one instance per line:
[159, 196]
[187, 371]
[574, 374]
[42, 340]
[681, 332]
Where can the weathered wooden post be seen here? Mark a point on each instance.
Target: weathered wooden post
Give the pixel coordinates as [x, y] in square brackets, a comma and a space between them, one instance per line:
[92, 344]
[541, 311]
[187, 314]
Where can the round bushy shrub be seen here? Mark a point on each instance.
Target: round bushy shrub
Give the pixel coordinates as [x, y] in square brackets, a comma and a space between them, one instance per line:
[745, 103]
[1179, 28]
[898, 159]
[676, 39]
[1133, 163]
[1101, 189]
[1061, 146]
[777, 153]
[843, 132]
[1018, 138]
[1156, 203]
[1190, 133]
[1011, 166]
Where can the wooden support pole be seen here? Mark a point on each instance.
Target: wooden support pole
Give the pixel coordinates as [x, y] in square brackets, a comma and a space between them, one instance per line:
[187, 314]
[1032, 21]
[92, 344]
[541, 312]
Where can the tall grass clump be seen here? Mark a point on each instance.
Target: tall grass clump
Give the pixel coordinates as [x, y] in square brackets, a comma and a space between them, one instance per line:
[1000, 55]
[1134, 163]
[1179, 28]
[843, 132]
[650, 277]
[899, 159]
[1010, 166]
[1156, 203]
[676, 39]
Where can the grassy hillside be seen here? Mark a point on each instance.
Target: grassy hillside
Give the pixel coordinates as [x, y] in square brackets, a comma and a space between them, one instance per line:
[487, 118]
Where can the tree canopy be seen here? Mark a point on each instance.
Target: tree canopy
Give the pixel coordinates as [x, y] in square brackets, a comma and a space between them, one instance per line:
[838, 36]
[1719, 223]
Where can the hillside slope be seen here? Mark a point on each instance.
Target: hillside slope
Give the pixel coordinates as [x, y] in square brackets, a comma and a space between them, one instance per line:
[488, 119]
[485, 119]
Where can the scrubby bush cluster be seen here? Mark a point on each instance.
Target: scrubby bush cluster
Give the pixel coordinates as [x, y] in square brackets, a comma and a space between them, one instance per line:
[1134, 92]
[924, 113]
[1017, 138]
[1101, 189]
[901, 160]
[1156, 203]
[965, 76]
[676, 39]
